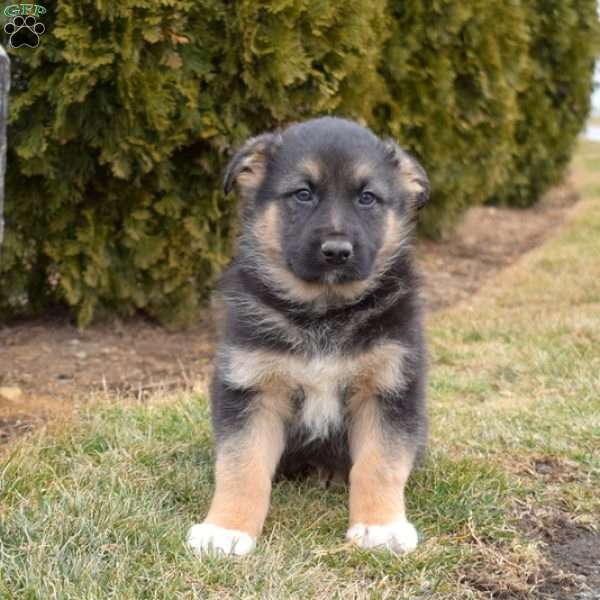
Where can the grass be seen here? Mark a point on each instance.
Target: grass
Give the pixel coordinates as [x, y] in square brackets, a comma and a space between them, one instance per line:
[99, 509]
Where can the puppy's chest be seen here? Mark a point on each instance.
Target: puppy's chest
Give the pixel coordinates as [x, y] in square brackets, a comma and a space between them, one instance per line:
[317, 391]
[308, 392]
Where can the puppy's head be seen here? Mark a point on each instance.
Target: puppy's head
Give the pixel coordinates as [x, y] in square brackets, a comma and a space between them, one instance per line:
[328, 202]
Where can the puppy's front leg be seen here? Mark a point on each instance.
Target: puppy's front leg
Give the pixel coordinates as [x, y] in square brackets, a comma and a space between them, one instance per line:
[246, 463]
[381, 464]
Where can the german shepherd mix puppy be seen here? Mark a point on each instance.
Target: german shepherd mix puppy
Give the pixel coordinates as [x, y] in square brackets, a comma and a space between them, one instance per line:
[322, 364]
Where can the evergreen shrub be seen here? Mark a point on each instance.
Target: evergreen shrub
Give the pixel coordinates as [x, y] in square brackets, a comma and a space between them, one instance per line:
[555, 102]
[122, 119]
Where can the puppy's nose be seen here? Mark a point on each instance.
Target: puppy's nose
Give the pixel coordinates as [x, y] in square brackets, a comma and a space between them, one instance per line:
[336, 252]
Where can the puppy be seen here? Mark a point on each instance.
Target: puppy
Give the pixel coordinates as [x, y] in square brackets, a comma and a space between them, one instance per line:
[322, 364]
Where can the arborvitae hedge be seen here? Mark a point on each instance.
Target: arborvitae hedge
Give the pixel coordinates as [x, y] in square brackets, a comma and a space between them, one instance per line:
[454, 70]
[553, 104]
[120, 130]
[124, 116]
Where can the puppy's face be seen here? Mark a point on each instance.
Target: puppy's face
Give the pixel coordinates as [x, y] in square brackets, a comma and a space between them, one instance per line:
[327, 199]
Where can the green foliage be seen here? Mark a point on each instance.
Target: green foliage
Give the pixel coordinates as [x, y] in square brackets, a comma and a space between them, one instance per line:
[454, 70]
[122, 119]
[553, 106]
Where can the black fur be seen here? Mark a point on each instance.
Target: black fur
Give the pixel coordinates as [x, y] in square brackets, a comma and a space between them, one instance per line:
[389, 310]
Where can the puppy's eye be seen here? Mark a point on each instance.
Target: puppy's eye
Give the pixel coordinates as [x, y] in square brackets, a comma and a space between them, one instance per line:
[303, 195]
[367, 199]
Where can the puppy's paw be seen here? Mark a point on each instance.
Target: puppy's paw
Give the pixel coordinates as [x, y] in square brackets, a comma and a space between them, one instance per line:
[399, 536]
[205, 538]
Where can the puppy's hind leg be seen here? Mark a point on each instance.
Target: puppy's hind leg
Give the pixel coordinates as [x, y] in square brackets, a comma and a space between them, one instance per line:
[246, 463]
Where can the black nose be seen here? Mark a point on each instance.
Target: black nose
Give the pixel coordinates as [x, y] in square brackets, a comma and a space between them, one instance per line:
[336, 252]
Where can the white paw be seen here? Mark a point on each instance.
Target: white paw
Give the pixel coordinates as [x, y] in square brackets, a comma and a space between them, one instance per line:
[399, 536]
[205, 538]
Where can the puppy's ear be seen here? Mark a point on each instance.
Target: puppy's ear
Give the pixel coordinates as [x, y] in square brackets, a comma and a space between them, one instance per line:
[411, 174]
[247, 168]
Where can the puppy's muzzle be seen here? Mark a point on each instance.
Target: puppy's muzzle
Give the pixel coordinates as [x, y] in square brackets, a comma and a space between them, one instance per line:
[336, 251]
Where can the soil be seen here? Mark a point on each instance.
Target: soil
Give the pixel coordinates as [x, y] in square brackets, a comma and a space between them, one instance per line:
[488, 240]
[572, 553]
[571, 548]
[577, 551]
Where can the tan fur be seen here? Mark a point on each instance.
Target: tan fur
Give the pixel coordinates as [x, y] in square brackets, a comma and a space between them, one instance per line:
[311, 168]
[244, 470]
[381, 467]
[267, 232]
[378, 370]
[394, 236]
[410, 177]
[245, 465]
[277, 376]
[252, 171]
[362, 170]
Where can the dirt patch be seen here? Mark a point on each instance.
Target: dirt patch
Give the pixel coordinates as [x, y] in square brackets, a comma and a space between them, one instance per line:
[577, 551]
[550, 469]
[14, 426]
[488, 240]
[52, 364]
[570, 547]
[573, 557]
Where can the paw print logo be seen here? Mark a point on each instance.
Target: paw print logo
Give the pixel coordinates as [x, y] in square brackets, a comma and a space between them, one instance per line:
[24, 31]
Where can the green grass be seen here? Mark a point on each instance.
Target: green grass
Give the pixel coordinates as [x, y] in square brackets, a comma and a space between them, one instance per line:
[100, 509]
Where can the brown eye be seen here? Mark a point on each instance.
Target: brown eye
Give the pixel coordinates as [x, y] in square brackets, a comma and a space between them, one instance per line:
[303, 195]
[367, 199]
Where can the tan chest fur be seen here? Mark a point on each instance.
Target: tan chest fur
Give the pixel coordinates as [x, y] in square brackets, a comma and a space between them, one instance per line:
[321, 378]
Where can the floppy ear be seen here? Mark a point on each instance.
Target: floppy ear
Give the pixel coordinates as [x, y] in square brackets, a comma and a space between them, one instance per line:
[412, 175]
[247, 168]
